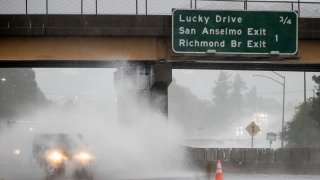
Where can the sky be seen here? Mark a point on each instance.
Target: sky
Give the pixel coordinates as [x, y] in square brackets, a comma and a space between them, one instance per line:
[93, 82]
[97, 85]
[82, 83]
[265, 87]
[200, 83]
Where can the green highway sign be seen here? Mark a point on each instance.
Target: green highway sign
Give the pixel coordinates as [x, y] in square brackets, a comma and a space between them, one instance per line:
[235, 32]
[271, 136]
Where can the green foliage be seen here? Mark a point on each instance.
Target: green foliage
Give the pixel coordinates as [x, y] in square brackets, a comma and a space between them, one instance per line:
[19, 92]
[316, 79]
[304, 129]
[315, 111]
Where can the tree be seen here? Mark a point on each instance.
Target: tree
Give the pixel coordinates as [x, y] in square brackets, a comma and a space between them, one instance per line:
[188, 111]
[221, 90]
[251, 100]
[19, 92]
[316, 79]
[236, 97]
[315, 112]
[303, 130]
[224, 107]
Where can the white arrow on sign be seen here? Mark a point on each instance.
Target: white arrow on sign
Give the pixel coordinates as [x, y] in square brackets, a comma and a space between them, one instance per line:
[253, 128]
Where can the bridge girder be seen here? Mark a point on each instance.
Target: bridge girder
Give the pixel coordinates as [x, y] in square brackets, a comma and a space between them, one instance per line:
[109, 40]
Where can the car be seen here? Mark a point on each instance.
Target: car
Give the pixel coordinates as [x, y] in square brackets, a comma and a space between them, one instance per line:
[53, 152]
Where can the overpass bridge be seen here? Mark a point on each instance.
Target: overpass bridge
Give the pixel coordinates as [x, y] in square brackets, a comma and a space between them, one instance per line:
[138, 44]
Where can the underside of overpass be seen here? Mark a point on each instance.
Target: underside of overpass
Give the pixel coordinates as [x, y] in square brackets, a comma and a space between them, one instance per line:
[139, 46]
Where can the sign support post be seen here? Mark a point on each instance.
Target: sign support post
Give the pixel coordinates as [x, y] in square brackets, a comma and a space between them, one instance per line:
[251, 141]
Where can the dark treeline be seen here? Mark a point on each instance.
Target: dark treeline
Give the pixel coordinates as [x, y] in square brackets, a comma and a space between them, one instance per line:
[19, 92]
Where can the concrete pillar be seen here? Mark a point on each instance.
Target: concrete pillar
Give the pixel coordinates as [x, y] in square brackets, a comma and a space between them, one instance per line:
[142, 85]
[162, 77]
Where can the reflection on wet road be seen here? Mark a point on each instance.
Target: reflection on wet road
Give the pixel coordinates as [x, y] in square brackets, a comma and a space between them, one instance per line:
[184, 176]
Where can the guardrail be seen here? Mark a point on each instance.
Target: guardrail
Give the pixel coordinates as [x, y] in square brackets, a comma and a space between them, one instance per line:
[305, 8]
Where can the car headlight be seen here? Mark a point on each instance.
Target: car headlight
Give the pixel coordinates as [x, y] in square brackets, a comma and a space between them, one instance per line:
[56, 157]
[16, 152]
[83, 157]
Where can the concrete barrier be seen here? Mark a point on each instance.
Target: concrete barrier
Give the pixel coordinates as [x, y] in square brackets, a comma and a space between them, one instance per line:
[286, 160]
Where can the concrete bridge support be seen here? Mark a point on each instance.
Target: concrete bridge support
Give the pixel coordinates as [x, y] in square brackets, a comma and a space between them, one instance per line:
[142, 86]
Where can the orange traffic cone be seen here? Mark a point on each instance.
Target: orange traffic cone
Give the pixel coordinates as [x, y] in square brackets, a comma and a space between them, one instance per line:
[219, 175]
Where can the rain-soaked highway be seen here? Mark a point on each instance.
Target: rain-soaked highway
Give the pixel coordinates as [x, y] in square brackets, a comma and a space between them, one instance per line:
[170, 176]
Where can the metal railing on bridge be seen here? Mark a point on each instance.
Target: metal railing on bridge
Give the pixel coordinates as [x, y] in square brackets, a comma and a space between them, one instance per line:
[305, 8]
